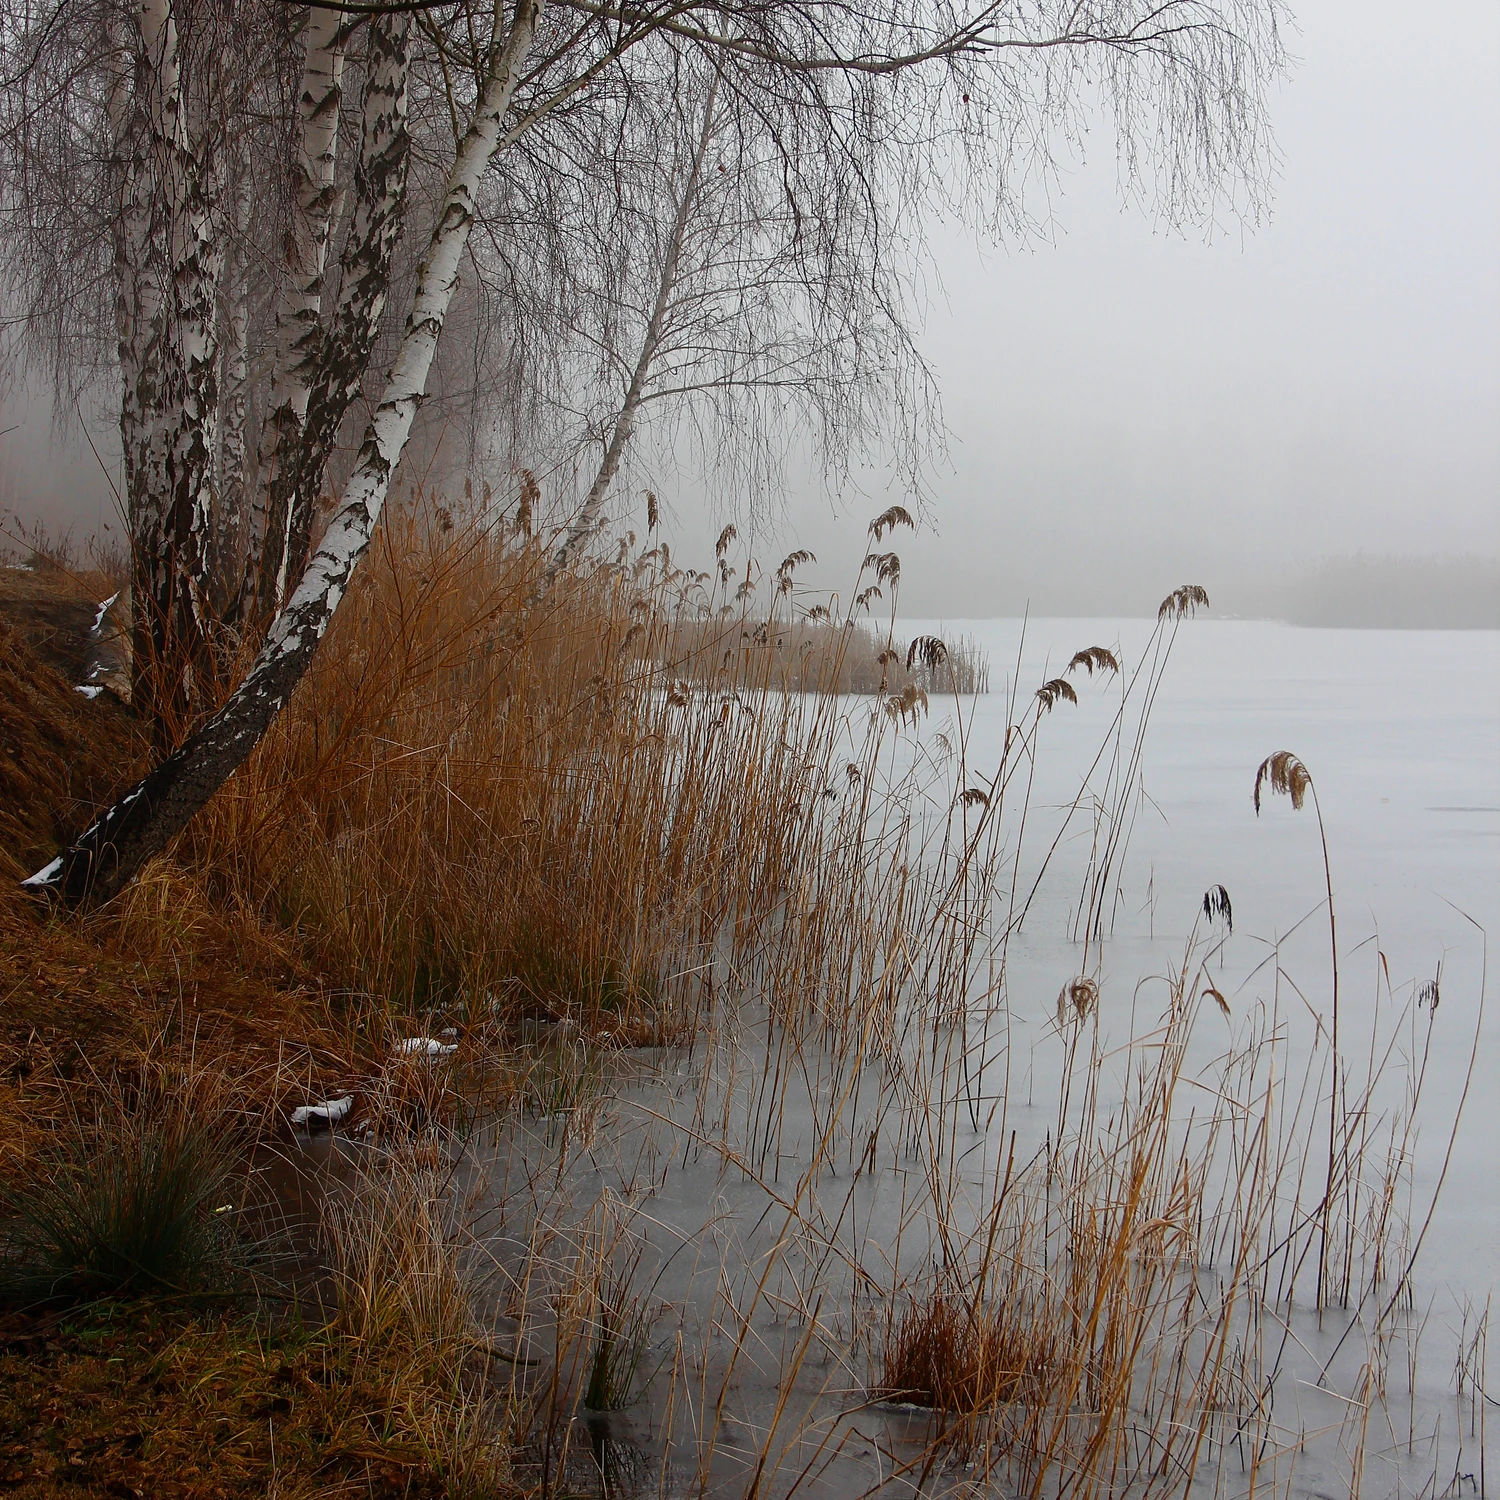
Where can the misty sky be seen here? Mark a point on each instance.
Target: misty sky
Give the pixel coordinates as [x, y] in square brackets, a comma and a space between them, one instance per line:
[1131, 409]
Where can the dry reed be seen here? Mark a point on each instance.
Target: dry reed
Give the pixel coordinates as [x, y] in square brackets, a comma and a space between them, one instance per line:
[604, 813]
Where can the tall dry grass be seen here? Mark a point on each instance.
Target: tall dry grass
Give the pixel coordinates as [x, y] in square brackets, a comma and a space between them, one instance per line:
[1103, 1316]
[485, 802]
[498, 801]
[614, 809]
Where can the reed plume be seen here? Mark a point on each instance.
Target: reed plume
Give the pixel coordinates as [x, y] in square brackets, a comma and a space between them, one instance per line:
[1059, 689]
[1217, 907]
[889, 519]
[1094, 658]
[1181, 602]
[1286, 775]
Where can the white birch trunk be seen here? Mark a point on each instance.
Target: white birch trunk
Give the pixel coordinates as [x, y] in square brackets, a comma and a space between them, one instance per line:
[197, 270]
[338, 357]
[180, 410]
[141, 823]
[157, 371]
[299, 309]
[327, 576]
[587, 520]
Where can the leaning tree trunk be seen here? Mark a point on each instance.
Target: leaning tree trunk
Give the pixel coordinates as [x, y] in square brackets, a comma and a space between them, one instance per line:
[140, 824]
[586, 522]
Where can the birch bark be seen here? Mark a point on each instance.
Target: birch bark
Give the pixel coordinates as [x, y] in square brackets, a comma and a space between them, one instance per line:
[141, 823]
[299, 309]
[364, 284]
[235, 488]
[197, 270]
[587, 520]
[156, 188]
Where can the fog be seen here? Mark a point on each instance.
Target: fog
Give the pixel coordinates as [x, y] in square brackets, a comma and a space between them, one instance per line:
[1130, 409]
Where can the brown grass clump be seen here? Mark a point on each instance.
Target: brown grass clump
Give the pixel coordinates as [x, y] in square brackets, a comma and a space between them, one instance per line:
[136, 1205]
[404, 1314]
[395, 1256]
[130, 1199]
[961, 1355]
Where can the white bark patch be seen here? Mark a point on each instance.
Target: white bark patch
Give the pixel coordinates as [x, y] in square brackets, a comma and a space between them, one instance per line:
[424, 1046]
[332, 364]
[299, 308]
[104, 608]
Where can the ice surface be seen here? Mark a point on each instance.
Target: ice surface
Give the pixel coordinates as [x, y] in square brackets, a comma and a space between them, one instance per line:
[1401, 733]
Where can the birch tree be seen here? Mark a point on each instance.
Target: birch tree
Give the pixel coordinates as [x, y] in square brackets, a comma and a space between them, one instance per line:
[758, 307]
[119, 209]
[329, 366]
[686, 188]
[916, 104]
[298, 309]
[237, 492]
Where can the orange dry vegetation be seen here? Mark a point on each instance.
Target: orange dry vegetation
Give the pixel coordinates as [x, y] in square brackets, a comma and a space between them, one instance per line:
[84, 998]
[953, 1351]
[121, 1401]
[142, 1399]
[60, 755]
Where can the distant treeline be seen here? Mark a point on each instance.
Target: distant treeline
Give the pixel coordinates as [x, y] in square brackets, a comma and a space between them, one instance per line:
[1393, 593]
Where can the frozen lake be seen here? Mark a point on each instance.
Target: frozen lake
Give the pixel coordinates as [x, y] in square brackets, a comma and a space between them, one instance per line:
[1401, 732]
[753, 1218]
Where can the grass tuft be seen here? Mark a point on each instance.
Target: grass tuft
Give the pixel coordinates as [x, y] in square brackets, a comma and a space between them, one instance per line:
[959, 1355]
[136, 1203]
